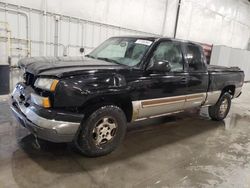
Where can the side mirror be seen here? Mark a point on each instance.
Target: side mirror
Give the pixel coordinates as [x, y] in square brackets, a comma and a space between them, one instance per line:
[160, 66]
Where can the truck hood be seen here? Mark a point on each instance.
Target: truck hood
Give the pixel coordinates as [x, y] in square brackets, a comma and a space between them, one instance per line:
[216, 68]
[65, 66]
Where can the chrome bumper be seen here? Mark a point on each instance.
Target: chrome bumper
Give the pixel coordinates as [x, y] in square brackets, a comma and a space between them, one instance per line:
[44, 128]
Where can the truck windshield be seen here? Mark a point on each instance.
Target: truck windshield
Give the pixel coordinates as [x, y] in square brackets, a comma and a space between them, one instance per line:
[125, 51]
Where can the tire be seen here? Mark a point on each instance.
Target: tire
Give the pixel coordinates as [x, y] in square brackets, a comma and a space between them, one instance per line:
[216, 112]
[102, 132]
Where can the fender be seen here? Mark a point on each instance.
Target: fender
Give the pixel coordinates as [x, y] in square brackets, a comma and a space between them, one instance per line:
[74, 91]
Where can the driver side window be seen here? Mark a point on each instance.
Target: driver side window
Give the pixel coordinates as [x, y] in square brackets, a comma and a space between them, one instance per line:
[194, 58]
[171, 52]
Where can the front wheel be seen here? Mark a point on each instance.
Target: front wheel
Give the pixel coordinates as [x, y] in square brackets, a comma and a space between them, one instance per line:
[102, 131]
[220, 110]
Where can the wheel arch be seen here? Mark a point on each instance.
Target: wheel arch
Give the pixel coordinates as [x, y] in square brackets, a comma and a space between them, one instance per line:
[229, 88]
[124, 102]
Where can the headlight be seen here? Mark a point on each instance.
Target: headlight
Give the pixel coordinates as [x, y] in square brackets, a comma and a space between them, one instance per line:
[46, 84]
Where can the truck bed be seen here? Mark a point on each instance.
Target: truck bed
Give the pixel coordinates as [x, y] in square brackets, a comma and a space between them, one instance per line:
[216, 68]
[220, 76]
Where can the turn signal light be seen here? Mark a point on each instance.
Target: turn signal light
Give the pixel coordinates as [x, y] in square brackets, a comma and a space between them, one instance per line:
[53, 85]
[46, 103]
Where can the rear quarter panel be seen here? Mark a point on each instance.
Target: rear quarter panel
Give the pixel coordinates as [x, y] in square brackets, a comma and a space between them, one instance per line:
[219, 80]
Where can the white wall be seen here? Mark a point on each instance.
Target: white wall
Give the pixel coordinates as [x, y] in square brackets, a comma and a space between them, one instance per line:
[145, 15]
[220, 22]
[136, 17]
[230, 57]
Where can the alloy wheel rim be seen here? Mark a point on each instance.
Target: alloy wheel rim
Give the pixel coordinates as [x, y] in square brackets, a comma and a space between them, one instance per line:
[104, 130]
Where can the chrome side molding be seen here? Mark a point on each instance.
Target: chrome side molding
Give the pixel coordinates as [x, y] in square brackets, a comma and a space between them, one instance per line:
[150, 108]
[212, 98]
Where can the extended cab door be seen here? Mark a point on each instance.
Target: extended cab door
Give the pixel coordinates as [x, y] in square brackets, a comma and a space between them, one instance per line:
[198, 80]
[165, 90]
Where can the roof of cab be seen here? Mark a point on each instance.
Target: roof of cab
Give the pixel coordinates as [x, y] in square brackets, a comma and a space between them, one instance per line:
[154, 38]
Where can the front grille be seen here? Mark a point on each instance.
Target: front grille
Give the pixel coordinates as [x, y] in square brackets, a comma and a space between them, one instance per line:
[29, 79]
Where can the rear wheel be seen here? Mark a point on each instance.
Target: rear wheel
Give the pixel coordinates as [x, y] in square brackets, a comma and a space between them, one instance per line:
[102, 132]
[220, 110]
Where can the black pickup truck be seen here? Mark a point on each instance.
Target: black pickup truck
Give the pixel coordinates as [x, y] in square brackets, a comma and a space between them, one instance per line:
[88, 100]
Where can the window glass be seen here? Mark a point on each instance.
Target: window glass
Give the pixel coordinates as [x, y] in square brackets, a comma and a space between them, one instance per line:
[171, 52]
[126, 51]
[194, 58]
[114, 50]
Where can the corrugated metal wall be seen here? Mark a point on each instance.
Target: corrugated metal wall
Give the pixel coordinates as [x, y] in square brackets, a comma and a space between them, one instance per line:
[36, 28]
[23, 32]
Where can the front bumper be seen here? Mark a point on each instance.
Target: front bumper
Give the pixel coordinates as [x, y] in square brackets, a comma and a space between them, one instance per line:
[48, 124]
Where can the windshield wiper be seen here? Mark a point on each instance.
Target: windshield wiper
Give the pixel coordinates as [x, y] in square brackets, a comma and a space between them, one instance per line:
[109, 60]
[90, 56]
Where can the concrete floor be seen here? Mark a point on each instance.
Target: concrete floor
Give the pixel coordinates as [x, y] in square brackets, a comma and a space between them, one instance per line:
[184, 150]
